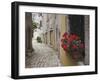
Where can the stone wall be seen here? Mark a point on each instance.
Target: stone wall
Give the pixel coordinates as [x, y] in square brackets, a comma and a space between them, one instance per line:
[28, 33]
[87, 40]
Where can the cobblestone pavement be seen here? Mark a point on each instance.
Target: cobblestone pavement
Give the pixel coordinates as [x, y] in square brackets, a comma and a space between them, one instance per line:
[43, 56]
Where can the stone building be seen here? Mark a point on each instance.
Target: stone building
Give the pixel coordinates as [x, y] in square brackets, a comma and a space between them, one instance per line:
[36, 18]
[55, 25]
[51, 28]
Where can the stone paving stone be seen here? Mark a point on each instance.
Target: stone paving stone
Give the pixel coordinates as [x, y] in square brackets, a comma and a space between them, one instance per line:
[43, 56]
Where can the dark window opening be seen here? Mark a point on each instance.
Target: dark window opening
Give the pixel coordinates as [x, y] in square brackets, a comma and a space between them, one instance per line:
[76, 24]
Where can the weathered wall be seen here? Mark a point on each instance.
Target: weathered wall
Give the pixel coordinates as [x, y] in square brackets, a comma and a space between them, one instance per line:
[28, 33]
[86, 60]
[65, 58]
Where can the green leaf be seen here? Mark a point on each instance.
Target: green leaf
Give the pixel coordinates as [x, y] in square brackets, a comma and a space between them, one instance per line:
[34, 25]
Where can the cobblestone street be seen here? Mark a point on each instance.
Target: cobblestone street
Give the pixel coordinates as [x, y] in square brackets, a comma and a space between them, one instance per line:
[43, 56]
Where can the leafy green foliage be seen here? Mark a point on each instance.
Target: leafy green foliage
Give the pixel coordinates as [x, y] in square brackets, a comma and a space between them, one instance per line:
[34, 25]
[39, 39]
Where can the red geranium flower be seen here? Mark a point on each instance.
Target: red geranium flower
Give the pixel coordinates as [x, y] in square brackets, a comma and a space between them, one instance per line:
[64, 46]
[65, 35]
[71, 41]
[74, 37]
[74, 47]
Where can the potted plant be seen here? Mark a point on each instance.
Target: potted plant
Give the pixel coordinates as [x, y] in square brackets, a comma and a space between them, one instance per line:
[72, 44]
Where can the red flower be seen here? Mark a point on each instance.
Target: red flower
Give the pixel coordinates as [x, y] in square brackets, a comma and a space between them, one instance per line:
[74, 47]
[71, 42]
[65, 35]
[70, 39]
[74, 37]
[64, 46]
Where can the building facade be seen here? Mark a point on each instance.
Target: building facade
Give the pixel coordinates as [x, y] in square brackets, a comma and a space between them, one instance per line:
[52, 27]
[55, 25]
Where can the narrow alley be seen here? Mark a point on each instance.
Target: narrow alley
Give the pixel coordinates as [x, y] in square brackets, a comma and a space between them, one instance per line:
[43, 56]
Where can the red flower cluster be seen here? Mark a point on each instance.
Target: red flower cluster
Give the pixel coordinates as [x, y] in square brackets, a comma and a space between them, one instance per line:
[71, 42]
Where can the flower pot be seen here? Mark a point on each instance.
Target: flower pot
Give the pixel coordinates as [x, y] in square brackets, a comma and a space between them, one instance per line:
[70, 60]
[76, 57]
